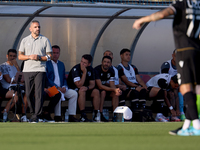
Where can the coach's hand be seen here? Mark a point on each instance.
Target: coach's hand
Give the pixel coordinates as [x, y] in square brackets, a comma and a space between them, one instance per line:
[63, 89]
[33, 57]
[46, 90]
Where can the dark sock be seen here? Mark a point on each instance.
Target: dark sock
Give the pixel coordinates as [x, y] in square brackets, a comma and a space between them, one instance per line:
[191, 108]
[95, 113]
[82, 113]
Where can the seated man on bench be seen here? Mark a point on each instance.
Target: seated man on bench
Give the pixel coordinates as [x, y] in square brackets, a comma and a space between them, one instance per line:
[81, 78]
[104, 74]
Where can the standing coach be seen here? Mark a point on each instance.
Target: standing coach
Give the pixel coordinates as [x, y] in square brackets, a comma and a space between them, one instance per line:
[35, 50]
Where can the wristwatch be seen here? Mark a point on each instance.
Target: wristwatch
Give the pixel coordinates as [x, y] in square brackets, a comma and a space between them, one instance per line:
[171, 107]
[39, 57]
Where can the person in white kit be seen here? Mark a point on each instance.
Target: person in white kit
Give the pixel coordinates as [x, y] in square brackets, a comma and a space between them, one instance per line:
[130, 76]
[56, 77]
[173, 93]
[163, 81]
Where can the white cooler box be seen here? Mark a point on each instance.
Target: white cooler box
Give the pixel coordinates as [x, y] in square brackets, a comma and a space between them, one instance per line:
[122, 114]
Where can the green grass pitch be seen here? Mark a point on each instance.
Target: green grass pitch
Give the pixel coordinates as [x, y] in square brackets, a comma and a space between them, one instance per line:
[94, 136]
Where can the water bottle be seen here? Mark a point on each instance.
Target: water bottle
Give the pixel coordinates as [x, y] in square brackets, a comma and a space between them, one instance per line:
[107, 114]
[98, 116]
[104, 113]
[93, 114]
[66, 116]
[5, 115]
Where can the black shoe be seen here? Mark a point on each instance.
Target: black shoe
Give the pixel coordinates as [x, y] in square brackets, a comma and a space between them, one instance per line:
[1, 117]
[47, 118]
[103, 119]
[58, 118]
[72, 119]
[174, 132]
[84, 118]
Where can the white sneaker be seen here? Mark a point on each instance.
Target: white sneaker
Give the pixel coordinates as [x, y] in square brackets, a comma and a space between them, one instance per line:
[160, 118]
[24, 119]
[175, 119]
[40, 120]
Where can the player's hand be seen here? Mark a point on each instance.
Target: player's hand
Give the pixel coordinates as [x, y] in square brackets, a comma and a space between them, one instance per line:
[118, 92]
[139, 88]
[122, 87]
[176, 85]
[83, 89]
[173, 112]
[173, 85]
[33, 57]
[146, 88]
[178, 113]
[83, 68]
[138, 24]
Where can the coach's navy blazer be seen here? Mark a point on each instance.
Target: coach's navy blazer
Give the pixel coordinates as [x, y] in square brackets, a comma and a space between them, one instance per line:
[51, 75]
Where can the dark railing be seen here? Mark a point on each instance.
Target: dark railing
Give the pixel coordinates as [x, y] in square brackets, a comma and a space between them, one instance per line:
[131, 2]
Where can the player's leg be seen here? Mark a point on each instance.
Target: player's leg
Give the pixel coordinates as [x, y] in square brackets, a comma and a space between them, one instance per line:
[143, 94]
[95, 94]
[81, 99]
[198, 99]
[187, 68]
[158, 95]
[102, 98]
[9, 95]
[198, 85]
[96, 99]
[122, 97]
[134, 98]
[115, 100]
[81, 104]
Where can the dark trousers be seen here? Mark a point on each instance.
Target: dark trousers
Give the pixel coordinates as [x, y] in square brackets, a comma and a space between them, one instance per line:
[53, 102]
[34, 83]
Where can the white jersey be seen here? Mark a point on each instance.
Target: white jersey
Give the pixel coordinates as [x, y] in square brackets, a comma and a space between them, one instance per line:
[116, 78]
[10, 70]
[130, 74]
[171, 71]
[153, 82]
